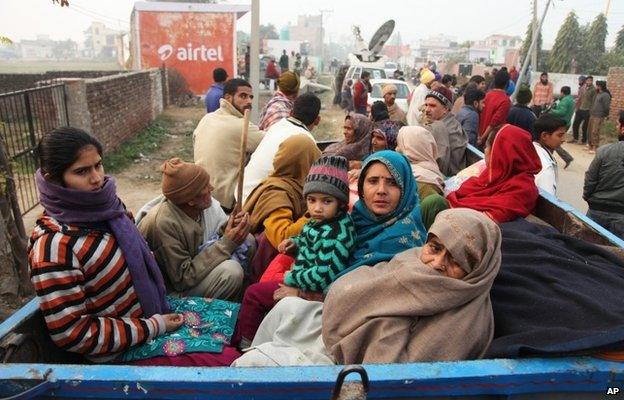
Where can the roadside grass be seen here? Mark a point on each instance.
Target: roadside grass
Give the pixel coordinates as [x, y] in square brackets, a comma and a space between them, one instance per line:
[144, 143]
[608, 133]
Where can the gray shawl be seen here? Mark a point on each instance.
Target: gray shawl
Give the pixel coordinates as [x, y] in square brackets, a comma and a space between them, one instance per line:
[405, 311]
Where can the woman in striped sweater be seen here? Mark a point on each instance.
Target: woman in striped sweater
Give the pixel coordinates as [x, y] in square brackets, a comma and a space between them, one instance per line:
[100, 289]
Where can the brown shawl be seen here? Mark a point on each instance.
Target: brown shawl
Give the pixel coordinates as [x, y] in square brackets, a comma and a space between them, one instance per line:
[284, 186]
[405, 311]
[361, 145]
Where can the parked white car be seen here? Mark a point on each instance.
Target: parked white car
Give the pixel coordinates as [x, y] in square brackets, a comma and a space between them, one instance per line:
[402, 91]
[390, 67]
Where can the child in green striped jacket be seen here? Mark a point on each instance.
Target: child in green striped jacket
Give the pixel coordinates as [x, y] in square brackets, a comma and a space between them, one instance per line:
[324, 245]
[321, 250]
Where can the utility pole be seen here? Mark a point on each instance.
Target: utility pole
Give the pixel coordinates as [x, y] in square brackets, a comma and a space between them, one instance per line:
[323, 12]
[254, 57]
[608, 7]
[525, 63]
[535, 34]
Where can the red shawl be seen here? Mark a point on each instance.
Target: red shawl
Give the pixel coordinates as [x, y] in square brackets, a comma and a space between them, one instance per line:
[506, 189]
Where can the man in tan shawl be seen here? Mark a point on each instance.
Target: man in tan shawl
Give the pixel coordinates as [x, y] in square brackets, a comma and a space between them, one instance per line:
[389, 94]
[407, 310]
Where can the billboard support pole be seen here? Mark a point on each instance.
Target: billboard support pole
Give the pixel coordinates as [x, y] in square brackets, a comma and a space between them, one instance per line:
[254, 57]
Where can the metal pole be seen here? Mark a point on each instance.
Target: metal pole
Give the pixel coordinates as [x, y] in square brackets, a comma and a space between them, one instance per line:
[525, 64]
[534, 34]
[608, 7]
[254, 57]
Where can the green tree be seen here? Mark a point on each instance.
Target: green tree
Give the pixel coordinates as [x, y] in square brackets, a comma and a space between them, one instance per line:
[566, 45]
[527, 43]
[619, 41]
[268, 32]
[593, 45]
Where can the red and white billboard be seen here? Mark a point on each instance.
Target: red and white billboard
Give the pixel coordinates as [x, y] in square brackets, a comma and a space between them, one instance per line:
[192, 38]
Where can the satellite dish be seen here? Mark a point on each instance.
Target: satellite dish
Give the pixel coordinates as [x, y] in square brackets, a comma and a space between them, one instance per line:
[381, 37]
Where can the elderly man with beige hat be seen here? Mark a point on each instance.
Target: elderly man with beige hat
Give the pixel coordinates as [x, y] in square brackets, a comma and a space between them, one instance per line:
[389, 94]
[281, 104]
[199, 252]
[418, 97]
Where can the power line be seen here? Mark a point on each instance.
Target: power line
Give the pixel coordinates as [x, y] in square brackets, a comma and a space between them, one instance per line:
[95, 16]
[97, 13]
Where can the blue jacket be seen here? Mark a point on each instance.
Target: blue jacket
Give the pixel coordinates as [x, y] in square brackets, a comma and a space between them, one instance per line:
[214, 94]
[469, 120]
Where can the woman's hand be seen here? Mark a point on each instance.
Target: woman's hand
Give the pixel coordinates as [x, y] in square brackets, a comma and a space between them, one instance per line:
[285, 291]
[173, 321]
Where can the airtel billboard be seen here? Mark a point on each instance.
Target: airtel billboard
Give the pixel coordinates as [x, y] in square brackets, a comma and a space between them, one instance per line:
[190, 37]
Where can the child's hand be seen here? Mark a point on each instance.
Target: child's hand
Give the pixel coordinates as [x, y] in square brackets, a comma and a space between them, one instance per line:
[286, 247]
[285, 291]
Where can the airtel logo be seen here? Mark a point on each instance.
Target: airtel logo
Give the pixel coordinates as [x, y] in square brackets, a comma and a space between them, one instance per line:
[190, 53]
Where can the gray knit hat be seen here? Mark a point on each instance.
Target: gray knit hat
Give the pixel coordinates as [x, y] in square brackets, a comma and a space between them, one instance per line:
[328, 175]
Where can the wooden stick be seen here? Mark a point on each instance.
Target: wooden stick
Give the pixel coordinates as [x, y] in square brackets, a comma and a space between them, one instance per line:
[241, 165]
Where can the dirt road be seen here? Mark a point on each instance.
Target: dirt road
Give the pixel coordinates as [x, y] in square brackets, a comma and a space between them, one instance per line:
[570, 188]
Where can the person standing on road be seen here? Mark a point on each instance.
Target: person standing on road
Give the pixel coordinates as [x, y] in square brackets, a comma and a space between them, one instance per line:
[418, 97]
[604, 185]
[216, 140]
[360, 93]
[542, 94]
[597, 115]
[215, 93]
[564, 109]
[283, 61]
[587, 94]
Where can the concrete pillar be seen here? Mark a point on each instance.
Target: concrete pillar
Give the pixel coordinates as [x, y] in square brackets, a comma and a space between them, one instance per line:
[156, 92]
[77, 106]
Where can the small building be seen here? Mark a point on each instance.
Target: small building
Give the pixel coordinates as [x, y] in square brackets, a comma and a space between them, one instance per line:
[309, 28]
[38, 49]
[102, 42]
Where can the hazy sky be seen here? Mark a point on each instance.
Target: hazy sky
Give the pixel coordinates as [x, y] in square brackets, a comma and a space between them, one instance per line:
[416, 19]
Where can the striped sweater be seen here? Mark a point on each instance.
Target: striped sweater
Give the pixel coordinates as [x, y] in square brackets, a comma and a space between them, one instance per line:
[85, 291]
[323, 251]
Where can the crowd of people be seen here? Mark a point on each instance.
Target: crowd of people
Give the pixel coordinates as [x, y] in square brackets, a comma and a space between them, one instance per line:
[383, 247]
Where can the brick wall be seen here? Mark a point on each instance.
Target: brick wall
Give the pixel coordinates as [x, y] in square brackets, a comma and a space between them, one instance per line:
[121, 105]
[615, 83]
[13, 82]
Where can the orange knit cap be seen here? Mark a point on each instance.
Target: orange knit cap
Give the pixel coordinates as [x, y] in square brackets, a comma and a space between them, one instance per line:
[182, 181]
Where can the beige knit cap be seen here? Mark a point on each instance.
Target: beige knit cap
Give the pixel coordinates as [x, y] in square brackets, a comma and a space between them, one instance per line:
[182, 181]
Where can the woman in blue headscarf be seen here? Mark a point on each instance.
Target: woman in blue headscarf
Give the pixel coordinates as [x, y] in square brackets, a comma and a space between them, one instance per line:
[387, 216]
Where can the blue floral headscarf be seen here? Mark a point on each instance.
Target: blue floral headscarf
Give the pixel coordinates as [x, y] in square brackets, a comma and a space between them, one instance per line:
[380, 238]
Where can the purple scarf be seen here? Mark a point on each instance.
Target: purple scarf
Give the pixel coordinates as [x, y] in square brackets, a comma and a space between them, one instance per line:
[72, 206]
